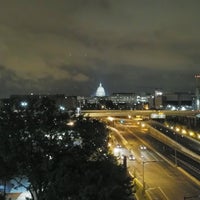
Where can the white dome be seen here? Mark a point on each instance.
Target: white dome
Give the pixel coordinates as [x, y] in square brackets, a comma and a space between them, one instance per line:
[100, 91]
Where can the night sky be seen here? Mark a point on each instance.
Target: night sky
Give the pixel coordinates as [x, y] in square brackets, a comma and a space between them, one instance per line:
[69, 46]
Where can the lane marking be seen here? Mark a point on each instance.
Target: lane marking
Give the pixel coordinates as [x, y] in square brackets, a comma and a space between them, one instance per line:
[163, 193]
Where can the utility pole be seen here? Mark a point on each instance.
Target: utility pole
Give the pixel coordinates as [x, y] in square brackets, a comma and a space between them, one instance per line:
[143, 163]
[175, 151]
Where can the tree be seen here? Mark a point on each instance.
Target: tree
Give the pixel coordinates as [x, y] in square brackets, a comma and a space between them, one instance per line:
[60, 161]
[88, 171]
[30, 138]
[7, 161]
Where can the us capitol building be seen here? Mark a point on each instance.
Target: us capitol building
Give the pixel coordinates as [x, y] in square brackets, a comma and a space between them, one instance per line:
[100, 91]
[119, 101]
[143, 101]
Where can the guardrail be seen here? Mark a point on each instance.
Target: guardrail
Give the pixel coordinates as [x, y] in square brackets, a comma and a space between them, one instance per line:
[173, 144]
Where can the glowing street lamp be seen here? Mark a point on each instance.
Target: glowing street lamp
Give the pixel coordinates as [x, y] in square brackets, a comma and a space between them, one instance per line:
[70, 123]
[184, 131]
[24, 104]
[61, 108]
[191, 133]
[111, 119]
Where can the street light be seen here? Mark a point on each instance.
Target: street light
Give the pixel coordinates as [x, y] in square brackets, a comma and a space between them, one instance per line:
[111, 119]
[175, 150]
[143, 163]
[70, 123]
[24, 104]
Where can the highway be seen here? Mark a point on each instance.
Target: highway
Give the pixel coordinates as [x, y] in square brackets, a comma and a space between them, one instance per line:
[189, 164]
[163, 180]
[144, 113]
[160, 167]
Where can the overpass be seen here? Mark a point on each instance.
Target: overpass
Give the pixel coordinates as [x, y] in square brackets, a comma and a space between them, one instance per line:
[189, 118]
[145, 114]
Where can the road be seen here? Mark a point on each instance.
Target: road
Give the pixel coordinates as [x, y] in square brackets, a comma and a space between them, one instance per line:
[162, 179]
[187, 150]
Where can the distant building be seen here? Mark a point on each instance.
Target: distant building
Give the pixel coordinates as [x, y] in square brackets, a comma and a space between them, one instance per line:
[178, 101]
[123, 100]
[158, 99]
[100, 91]
[129, 100]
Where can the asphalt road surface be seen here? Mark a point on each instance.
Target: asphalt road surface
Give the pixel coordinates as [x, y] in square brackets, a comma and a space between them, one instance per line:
[162, 179]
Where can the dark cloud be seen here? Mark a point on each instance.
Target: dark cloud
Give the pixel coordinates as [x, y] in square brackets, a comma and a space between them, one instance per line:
[70, 46]
[12, 84]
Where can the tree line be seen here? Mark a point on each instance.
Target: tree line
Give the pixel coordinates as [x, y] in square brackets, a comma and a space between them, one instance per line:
[59, 161]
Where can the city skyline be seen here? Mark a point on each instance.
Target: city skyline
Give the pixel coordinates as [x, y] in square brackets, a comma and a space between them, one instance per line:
[70, 46]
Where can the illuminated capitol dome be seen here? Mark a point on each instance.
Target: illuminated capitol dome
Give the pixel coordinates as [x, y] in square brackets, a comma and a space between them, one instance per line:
[100, 91]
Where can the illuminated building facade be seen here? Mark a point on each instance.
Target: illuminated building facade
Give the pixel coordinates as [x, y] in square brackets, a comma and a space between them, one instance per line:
[158, 99]
[100, 91]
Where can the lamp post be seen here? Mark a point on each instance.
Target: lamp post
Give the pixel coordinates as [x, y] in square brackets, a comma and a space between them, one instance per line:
[175, 154]
[111, 119]
[143, 163]
[175, 151]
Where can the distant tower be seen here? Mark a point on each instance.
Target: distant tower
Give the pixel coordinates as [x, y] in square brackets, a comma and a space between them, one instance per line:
[100, 91]
[158, 99]
[197, 92]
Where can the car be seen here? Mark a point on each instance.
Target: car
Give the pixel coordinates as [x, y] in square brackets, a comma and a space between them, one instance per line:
[118, 146]
[131, 157]
[143, 147]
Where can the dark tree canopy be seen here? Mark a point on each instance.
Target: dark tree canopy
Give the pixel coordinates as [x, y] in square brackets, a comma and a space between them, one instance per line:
[60, 161]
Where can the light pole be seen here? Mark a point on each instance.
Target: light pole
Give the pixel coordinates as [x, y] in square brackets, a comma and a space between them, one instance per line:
[175, 151]
[111, 119]
[143, 163]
